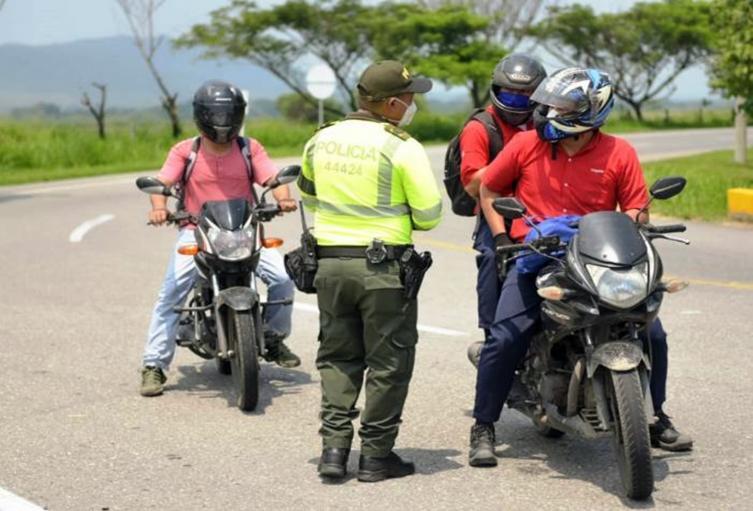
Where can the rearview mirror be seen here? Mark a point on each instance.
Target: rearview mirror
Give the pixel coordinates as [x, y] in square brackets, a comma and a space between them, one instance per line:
[153, 186]
[509, 207]
[667, 187]
[285, 176]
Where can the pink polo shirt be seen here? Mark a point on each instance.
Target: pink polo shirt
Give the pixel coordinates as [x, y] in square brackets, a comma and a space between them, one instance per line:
[217, 177]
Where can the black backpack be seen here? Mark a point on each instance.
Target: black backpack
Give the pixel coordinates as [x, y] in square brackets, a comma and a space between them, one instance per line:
[462, 203]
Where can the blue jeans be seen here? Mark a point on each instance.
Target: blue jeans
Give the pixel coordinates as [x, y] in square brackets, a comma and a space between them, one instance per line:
[180, 279]
[516, 321]
[488, 285]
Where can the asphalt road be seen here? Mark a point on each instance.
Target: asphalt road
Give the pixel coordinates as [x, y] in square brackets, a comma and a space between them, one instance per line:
[75, 434]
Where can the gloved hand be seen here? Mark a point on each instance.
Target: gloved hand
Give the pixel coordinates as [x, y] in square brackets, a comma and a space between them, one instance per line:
[501, 240]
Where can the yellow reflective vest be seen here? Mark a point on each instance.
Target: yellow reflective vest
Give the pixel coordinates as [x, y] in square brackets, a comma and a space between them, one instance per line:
[366, 179]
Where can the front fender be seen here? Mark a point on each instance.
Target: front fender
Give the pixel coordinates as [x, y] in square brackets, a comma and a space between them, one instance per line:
[617, 356]
[238, 298]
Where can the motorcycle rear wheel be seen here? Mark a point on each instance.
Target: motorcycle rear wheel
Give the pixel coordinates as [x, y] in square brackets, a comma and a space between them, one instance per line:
[631, 439]
[245, 362]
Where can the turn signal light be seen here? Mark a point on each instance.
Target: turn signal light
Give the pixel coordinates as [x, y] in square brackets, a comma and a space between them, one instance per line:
[272, 242]
[189, 250]
[555, 293]
[675, 285]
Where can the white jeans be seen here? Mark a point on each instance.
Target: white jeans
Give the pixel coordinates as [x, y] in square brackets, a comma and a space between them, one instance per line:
[177, 284]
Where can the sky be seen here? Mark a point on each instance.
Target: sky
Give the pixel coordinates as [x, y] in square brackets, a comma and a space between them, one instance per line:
[41, 22]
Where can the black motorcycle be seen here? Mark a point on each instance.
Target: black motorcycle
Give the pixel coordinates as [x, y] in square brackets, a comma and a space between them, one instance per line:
[222, 318]
[587, 371]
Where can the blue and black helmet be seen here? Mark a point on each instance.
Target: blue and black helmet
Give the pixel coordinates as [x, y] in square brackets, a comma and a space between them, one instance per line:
[571, 101]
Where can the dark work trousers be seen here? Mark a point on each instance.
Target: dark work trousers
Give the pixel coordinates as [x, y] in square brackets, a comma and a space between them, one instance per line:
[515, 323]
[488, 286]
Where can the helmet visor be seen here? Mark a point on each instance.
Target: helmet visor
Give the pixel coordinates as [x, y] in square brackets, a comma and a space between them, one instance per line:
[515, 100]
[221, 115]
[565, 93]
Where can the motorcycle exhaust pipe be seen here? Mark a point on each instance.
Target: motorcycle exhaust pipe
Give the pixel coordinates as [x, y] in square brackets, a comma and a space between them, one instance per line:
[572, 391]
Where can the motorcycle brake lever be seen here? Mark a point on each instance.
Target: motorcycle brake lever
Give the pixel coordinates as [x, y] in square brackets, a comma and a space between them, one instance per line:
[671, 238]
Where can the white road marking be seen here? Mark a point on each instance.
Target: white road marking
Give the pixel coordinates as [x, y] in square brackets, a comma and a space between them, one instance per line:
[12, 502]
[690, 312]
[307, 307]
[79, 232]
[76, 186]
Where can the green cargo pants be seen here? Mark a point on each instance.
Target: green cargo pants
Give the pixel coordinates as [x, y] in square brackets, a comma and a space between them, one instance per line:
[366, 326]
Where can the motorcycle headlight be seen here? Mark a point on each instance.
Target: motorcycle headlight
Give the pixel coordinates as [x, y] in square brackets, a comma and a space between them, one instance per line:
[621, 288]
[230, 245]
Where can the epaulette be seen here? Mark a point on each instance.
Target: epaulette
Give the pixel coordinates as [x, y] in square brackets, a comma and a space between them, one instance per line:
[327, 125]
[394, 130]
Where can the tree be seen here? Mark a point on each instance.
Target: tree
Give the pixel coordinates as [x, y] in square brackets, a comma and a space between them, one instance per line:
[336, 32]
[448, 43]
[732, 63]
[140, 16]
[508, 21]
[99, 111]
[294, 107]
[644, 49]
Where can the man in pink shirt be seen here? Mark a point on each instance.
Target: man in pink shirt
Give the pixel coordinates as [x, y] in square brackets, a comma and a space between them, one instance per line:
[219, 173]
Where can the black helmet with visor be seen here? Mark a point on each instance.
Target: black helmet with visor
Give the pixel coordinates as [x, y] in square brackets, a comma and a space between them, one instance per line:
[218, 110]
[513, 81]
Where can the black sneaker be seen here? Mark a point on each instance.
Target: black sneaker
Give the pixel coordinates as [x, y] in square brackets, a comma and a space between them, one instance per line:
[482, 446]
[371, 469]
[665, 436]
[333, 462]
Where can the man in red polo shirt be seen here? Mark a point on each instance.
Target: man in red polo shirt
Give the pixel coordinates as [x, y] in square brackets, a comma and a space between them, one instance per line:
[513, 81]
[565, 167]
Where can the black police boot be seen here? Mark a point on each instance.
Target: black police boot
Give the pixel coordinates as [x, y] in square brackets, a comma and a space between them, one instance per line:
[333, 462]
[372, 469]
[665, 436]
[482, 446]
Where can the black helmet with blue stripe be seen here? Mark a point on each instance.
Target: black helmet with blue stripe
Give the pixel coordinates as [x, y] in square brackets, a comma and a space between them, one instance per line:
[514, 79]
[572, 101]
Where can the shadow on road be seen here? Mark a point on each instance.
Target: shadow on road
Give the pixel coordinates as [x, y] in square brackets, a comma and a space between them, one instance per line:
[210, 384]
[591, 461]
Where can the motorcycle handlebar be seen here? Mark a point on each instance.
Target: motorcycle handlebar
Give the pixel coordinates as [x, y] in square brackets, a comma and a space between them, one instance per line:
[666, 229]
[543, 243]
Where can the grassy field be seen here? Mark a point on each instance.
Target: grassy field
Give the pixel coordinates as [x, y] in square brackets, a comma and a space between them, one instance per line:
[38, 151]
[709, 176]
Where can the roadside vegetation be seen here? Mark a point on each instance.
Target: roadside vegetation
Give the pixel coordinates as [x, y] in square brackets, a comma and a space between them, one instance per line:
[43, 150]
[709, 176]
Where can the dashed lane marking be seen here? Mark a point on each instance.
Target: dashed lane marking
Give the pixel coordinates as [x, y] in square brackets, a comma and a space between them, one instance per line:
[79, 232]
[12, 502]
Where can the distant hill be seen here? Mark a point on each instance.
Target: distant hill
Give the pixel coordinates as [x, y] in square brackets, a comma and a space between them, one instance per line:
[59, 73]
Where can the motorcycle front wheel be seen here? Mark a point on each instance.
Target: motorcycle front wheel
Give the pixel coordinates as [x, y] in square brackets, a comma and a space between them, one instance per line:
[631, 439]
[244, 363]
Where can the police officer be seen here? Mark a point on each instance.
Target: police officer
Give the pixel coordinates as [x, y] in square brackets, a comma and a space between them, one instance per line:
[514, 79]
[370, 185]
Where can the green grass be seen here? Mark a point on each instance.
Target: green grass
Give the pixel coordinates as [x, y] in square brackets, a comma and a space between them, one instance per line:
[709, 176]
[623, 122]
[42, 151]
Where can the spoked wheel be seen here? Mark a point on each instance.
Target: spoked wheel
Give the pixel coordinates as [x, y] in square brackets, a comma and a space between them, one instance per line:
[631, 438]
[244, 364]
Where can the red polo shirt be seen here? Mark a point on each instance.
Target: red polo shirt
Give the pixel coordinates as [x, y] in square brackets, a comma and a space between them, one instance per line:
[603, 175]
[474, 144]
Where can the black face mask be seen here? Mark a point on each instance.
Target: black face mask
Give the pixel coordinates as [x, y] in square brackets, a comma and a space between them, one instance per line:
[513, 118]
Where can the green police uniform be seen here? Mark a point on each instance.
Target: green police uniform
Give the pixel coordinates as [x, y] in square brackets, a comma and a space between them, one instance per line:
[365, 179]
